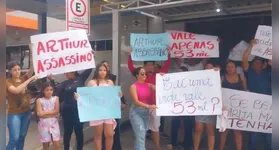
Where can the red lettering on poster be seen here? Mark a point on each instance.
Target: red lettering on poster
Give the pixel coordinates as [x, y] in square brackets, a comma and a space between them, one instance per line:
[48, 64]
[182, 36]
[267, 52]
[185, 44]
[191, 107]
[60, 45]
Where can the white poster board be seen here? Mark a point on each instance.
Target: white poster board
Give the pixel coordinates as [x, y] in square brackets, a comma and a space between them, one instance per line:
[191, 45]
[248, 111]
[189, 93]
[237, 52]
[61, 52]
[263, 48]
[78, 15]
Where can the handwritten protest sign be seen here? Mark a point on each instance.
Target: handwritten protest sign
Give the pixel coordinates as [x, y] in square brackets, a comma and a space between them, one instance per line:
[263, 48]
[98, 103]
[248, 111]
[191, 45]
[61, 52]
[237, 52]
[189, 93]
[149, 47]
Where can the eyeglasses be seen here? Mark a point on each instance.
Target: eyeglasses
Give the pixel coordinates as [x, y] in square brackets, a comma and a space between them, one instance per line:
[143, 73]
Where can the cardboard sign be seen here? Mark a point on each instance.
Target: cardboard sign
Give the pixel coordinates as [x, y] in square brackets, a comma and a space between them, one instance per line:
[61, 52]
[237, 52]
[98, 103]
[189, 93]
[149, 47]
[248, 111]
[191, 45]
[263, 48]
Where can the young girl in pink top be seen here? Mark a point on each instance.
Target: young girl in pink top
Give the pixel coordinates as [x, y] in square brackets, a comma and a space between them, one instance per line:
[48, 111]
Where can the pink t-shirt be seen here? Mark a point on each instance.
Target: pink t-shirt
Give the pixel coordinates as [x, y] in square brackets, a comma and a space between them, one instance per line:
[144, 92]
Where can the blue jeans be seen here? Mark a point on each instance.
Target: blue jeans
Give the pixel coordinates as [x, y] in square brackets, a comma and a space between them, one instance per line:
[253, 140]
[18, 126]
[139, 118]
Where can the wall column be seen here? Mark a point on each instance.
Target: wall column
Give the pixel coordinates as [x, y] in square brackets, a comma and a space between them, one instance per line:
[42, 28]
[116, 22]
[42, 23]
[155, 25]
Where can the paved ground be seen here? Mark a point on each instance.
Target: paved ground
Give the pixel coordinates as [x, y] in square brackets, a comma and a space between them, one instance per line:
[127, 139]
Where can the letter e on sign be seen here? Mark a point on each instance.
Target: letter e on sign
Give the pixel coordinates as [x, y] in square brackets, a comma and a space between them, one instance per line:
[78, 15]
[78, 7]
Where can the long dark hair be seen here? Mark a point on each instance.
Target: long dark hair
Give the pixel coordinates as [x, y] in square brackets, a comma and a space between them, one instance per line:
[230, 61]
[11, 65]
[104, 61]
[44, 86]
[96, 73]
[137, 71]
[209, 62]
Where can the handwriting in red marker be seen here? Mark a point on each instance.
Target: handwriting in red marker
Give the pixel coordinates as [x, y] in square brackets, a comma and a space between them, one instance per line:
[215, 101]
[178, 107]
[191, 108]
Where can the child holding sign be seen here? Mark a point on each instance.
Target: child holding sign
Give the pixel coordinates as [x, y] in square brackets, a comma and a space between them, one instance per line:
[48, 111]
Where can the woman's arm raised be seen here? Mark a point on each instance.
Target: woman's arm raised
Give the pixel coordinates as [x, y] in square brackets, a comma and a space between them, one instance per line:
[244, 82]
[16, 90]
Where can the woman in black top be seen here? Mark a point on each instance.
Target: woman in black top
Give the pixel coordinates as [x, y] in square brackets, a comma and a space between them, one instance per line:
[116, 140]
[69, 111]
[235, 81]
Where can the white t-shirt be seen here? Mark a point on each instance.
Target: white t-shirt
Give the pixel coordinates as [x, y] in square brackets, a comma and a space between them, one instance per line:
[195, 67]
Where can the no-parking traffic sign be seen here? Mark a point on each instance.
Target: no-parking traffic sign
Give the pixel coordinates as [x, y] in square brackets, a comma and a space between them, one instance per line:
[78, 15]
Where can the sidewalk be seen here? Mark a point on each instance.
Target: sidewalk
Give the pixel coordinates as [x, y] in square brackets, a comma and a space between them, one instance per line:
[127, 142]
[32, 142]
[127, 139]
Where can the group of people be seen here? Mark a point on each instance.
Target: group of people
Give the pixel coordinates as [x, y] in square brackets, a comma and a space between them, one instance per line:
[61, 100]
[54, 101]
[143, 110]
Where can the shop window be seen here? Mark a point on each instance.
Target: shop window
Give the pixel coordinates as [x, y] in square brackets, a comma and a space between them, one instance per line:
[101, 45]
[109, 45]
[20, 54]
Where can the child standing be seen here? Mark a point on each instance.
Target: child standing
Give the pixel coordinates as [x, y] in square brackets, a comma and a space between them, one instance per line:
[48, 111]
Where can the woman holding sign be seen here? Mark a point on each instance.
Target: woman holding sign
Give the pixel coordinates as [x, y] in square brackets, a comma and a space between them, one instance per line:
[141, 93]
[19, 113]
[258, 75]
[69, 111]
[233, 80]
[116, 139]
[207, 121]
[101, 78]
[149, 67]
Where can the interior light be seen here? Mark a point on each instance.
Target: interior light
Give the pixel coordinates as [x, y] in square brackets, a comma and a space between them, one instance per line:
[218, 10]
